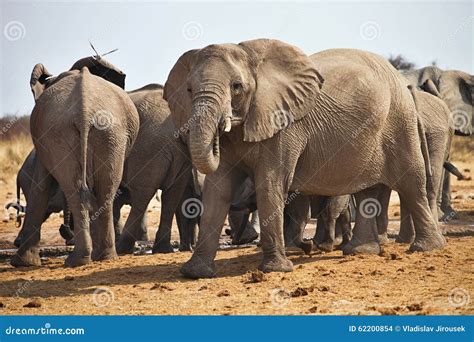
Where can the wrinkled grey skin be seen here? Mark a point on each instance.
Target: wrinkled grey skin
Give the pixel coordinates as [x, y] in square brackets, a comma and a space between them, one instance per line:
[456, 89]
[243, 214]
[333, 221]
[248, 86]
[83, 128]
[159, 160]
[56, 201]
[434, 115]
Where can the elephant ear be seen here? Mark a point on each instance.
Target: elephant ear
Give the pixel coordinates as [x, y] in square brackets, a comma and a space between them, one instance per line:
[102, 68]
[175, 91]
[39, 80]
[429, 87]
[287, 85]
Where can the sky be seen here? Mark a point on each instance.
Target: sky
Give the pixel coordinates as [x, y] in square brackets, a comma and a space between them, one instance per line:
[151, 35]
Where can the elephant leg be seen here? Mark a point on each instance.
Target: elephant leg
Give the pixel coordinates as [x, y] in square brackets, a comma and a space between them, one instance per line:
[102, 224]
[169, 203]
[117, 206]
[81, 254]
[170, 199]
[330, 235]
[133, 229]
[297, 212]
[344, 221]
[446, 196]
[271, 201]
[217, 197]
[28, 252]
[318, 205]
[407, 228]
[186, 225]
[427, 235]
[382, 218]
[365, 235]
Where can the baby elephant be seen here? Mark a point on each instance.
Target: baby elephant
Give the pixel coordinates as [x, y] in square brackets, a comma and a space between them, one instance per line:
[333, 220]
[56, 202]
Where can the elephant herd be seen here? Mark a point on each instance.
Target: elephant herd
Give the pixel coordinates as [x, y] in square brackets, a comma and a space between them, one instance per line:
[240, 126]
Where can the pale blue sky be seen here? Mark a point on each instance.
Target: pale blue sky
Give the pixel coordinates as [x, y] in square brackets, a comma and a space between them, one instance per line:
[152, 35]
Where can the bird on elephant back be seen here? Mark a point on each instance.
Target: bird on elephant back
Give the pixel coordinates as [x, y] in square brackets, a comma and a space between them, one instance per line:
[340, 121]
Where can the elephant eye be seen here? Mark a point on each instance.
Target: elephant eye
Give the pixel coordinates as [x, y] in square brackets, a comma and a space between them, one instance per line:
[189, 90]
[237, 87]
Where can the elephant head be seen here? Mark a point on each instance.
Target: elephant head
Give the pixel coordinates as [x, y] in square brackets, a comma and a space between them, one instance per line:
[100, 67]
[456, 89]
[251, 84]
[42, 79]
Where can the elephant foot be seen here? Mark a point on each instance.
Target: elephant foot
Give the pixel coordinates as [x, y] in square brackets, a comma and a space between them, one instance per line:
[383, 239]
[306, 246]
[403, 238]
[276, 264]
[426, 244]
[185, 247]
[104, 254]
[326, 246]
[196, 268]
[162, 248]
[66, 232]
[28, 258]
[125, 246]
[17, 242]
[73, 260]
[249, 235]
[366, 248]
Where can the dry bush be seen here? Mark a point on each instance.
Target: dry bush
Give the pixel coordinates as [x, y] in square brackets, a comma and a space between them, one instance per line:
[462, 149]
[15, 144]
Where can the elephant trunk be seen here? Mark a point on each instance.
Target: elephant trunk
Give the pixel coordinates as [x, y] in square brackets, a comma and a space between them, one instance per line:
[204, 138]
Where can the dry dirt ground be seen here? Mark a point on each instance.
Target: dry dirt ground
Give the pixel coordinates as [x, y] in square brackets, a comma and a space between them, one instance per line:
[395, 282]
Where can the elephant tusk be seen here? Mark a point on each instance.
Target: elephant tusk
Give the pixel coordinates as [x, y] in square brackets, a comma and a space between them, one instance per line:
[228, 124]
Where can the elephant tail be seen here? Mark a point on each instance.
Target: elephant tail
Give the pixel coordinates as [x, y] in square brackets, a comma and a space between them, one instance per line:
[87, 197]
[424, 145]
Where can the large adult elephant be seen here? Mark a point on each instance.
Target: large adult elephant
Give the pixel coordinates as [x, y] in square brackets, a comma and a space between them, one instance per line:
[456, 89]
[83, 128]
[159, 160]
[338, 122]
[435, 116]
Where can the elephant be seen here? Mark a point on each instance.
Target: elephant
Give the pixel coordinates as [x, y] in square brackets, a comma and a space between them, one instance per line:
[434, 114]
[456, 89]
[243, 215]
[264, 108]
[56, 201]
[83, 127]
[159, 160]
[333, 222]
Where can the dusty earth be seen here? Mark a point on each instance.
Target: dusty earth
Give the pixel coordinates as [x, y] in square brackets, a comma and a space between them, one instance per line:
[440, 282]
